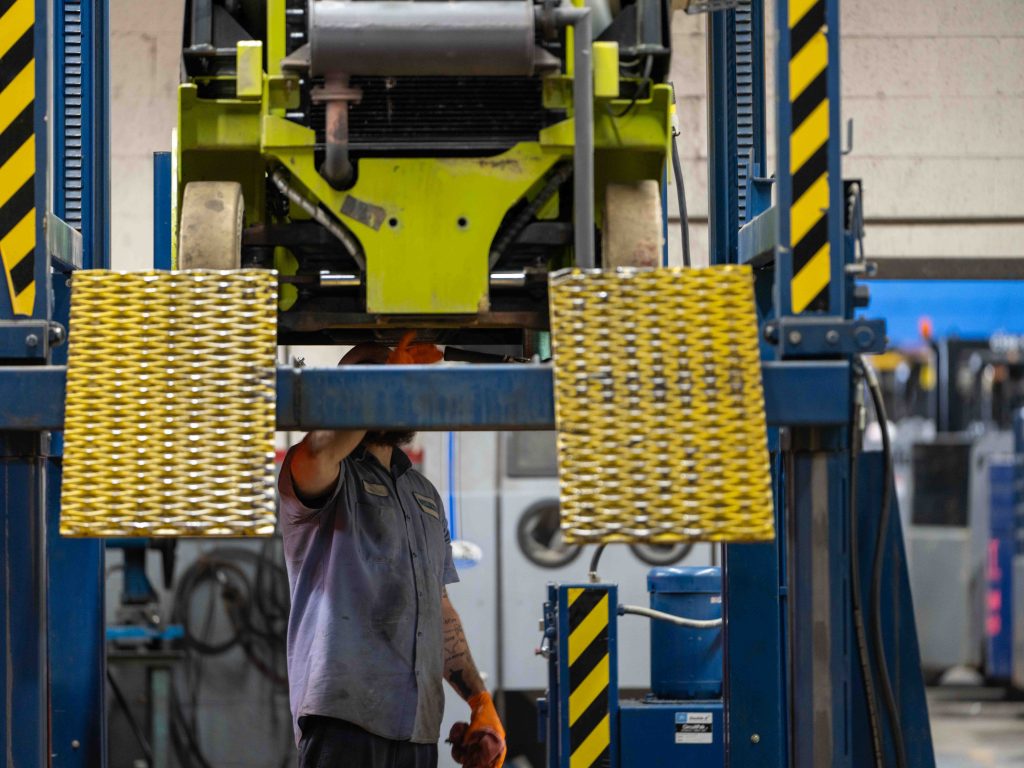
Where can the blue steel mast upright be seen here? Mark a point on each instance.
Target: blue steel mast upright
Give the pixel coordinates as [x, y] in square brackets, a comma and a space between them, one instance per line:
[795, 694]
[81, 197]
[53, 191]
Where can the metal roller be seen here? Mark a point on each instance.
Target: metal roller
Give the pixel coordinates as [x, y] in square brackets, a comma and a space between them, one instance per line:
[399, 37]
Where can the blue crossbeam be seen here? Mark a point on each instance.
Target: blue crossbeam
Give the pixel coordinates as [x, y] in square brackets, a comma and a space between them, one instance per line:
[477, 397]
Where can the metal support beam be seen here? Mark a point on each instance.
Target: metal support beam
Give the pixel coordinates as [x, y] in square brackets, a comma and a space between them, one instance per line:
[477, 397]
[23, 579]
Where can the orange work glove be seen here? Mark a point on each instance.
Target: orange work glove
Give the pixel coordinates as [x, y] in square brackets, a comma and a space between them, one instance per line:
[407, 353]
[481, 743]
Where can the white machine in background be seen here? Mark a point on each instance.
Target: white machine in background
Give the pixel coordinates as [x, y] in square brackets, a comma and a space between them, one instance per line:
[504, 491]
[947, 545]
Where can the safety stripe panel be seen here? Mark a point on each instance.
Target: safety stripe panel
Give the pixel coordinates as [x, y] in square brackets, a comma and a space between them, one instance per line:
[589, 679]
[17, 153]
[808, 152]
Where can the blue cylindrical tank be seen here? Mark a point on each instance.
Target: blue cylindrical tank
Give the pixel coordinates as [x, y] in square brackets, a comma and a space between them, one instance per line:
[686, 663]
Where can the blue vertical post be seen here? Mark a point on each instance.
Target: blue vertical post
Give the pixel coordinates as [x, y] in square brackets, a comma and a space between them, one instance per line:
[736, 121]
[754, 584]
[24, 298]
[80, 181]
[810, 258]
[161, 210]
[23, 726]
[76, 618]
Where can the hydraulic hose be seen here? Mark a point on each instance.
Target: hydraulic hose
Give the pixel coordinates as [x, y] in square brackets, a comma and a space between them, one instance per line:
[684, 219]
[280, 179]
[863, 654]
[681, 621]
[888, 696]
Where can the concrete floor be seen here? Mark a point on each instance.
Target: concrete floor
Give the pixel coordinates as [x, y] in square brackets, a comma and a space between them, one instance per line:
[974, 726]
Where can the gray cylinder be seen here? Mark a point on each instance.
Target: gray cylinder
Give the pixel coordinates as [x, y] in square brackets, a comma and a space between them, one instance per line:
[404, 37]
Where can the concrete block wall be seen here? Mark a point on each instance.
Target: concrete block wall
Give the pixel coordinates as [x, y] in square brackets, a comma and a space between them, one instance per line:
[935, 89]
[145, 49]
[936, 93]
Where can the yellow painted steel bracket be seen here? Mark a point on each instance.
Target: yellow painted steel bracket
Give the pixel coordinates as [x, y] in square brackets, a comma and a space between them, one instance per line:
[170, 404]
[426, 224]
[659, 406]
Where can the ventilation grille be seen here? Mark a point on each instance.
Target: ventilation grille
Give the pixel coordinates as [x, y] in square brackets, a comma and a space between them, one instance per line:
[454, 111]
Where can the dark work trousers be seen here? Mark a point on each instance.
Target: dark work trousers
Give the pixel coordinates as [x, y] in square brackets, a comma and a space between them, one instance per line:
[331, 743]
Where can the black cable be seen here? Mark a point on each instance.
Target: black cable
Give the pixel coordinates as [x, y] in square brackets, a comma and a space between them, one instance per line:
[888, 697]
[684, 219]
[645, 82]
[863, 654]
[596, 558]
[188, 751]
[204, 570]
[251, 588]
[122, 702]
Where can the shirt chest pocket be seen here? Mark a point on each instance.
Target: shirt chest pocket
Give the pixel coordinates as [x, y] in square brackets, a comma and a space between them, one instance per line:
[382, 530]
[430, 513]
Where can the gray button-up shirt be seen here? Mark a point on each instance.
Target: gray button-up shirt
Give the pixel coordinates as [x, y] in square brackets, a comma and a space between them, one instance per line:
[366, 572]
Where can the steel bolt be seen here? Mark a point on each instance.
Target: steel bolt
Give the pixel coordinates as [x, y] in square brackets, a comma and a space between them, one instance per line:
[31, 340]
[795, 337]
[75, 743]
[864, 336]
[755, 738]
[832, 337]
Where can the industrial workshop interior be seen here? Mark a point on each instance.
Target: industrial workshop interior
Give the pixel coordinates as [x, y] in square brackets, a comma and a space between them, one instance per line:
[524, 383]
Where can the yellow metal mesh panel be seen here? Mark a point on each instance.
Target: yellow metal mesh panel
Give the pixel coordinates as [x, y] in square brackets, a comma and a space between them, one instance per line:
[169, 425]
[660, 407]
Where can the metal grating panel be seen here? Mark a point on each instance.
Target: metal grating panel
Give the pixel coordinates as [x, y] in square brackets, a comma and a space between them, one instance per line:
[659, 406]
[169, 425]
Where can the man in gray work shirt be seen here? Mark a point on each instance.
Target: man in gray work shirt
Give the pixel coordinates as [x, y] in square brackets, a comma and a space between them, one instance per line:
[371, 632]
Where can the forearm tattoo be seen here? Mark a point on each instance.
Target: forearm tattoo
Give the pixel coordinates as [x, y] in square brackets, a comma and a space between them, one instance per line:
[459, 668]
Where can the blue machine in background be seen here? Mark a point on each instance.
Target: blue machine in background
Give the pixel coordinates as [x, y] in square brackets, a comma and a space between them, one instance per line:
[1004, 594]
[681, 721]
[1005, 479]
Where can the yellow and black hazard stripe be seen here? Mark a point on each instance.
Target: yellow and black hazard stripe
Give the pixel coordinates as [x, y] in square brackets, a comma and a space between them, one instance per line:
[589, 709]
[808, 156]
[18, 151]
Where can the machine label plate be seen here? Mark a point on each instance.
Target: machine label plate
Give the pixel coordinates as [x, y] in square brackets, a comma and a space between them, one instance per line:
[694, 727]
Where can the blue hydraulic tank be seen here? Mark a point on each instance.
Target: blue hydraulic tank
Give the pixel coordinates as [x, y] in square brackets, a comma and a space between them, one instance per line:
[686, 663]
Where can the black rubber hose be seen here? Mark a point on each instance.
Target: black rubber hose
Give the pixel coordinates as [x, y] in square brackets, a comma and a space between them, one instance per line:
[863, 654]
[888, 696]
[684, 219]
[596, 558]
[122, 702]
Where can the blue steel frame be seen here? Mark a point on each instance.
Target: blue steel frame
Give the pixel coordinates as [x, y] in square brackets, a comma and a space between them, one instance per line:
[839, 304]
[162, 226]
[23, 640]
[480, 397]
[815, 396]
[51, 625]
[81, 187]
[791, 698]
